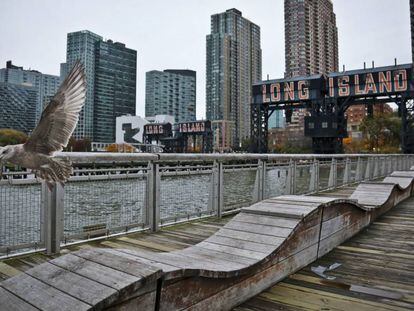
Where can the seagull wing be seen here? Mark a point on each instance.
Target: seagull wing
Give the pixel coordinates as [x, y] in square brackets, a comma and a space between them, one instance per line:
[60, 116]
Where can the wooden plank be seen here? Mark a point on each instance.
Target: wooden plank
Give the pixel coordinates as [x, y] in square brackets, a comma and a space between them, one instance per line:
[295, 206]
[402, 174]
[311, 298]
[258, 228]
[266, 220]
[252, 237]
[41, 295]
[233, 250]
[242, 244]
[187, 262]
[305, 198]
[404, 182]
[105, 275]
[277, 210]
[291, 202]
[11, 302]
[7, 270]
[133, 256]
[84, 289]
[121, 263]
[217, 256]
[147, 244]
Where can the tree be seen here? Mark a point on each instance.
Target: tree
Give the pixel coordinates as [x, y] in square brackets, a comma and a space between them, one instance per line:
[381, 133]
[12, 137]
[353, 145]
[78, 145]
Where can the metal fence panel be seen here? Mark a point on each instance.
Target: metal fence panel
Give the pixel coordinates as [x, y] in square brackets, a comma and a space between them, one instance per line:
[238, 187]
[20, 216]
[303, 177]
[185, 194]
[104, 206]
[276, 178]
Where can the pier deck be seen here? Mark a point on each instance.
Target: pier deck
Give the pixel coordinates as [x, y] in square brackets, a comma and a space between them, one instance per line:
[376, 271]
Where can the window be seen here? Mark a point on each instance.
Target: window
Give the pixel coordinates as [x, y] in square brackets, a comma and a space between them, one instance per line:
[324, 125]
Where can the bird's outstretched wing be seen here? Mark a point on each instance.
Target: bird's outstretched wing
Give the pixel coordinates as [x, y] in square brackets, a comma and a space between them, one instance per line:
[60, 116]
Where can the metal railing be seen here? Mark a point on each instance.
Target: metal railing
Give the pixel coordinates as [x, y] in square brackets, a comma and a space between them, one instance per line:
[111, 194]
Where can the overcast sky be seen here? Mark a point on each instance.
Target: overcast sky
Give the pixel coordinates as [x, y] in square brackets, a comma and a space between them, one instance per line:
[172, 33]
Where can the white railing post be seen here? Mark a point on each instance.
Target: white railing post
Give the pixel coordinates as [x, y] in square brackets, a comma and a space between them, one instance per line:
[314, 180]
[358, 171]
[52, 217]
[153, 196]
[383, 166]
[332, 174]
[259, 183]
[391, 163]
[220, 205]
[376, 167]
[216, 199]
[368, 169]
[347, 172]
[291, 177]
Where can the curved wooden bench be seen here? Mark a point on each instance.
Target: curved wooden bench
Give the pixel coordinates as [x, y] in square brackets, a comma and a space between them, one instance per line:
[260, 246]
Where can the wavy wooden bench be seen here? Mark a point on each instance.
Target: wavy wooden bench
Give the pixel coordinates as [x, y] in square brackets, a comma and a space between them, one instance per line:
[260, 246]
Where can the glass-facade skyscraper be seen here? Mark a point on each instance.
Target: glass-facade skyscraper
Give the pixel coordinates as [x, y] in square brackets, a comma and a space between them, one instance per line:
[234, 63]
[115, 87]
[171, 92]
[46, 85]
[110, 70]
[18, 106]
[81, 46]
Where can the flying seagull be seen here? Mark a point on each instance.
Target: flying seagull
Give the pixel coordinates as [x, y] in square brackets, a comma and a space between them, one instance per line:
[52, 134]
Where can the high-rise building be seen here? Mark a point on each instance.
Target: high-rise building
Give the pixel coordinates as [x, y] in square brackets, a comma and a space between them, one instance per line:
[412, 27]
[110, 70]
[234, 63]
[311, 38]
[171, 92]
[311, 47]
[115, 87]
[18, 106]
[45, 85]
[81, 46]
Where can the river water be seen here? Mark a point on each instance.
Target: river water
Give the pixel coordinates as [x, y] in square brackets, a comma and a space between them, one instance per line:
[118, 204]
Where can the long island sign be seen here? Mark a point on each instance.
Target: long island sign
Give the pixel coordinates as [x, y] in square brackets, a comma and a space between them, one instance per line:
[373, 82]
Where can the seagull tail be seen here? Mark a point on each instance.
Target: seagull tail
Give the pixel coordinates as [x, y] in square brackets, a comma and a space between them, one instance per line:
[57, 170]
[62, 169]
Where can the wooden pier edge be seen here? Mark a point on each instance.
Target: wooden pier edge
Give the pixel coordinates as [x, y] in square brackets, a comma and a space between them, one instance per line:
[260, 246]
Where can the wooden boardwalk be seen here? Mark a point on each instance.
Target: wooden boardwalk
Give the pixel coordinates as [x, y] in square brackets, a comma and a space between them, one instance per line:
[168, 239]
[376, 271]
